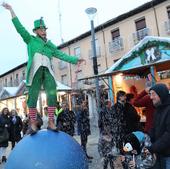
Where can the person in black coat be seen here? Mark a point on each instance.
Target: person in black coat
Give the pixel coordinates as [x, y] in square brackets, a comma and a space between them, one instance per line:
[83, 125]
[125, 119]
[105, 119]
[131, 116]
[15, 127]
[160, 132]
[119, 121]
[4, 125]
[66, 120]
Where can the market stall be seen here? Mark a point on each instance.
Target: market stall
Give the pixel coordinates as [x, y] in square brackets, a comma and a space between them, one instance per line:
[149, 59]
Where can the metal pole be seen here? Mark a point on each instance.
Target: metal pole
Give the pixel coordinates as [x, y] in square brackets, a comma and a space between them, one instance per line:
[95, 66]
[111, 90]
[152, 70]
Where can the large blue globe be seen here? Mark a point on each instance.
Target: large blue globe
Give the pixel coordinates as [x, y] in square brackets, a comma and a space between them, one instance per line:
[47, 150]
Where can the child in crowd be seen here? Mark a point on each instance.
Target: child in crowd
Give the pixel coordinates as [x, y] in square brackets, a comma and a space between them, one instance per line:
[136, 155]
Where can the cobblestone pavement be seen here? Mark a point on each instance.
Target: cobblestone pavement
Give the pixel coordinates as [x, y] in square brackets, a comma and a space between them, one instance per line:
[91, 149]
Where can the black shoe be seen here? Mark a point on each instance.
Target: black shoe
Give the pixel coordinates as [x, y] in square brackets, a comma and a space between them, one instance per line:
[89, 157]
[52, 129]
[4, 159]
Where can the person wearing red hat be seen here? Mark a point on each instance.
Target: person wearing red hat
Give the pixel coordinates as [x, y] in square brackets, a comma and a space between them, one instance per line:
[39, 67]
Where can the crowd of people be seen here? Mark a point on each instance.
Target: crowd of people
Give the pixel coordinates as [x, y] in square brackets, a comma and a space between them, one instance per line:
[121, 135]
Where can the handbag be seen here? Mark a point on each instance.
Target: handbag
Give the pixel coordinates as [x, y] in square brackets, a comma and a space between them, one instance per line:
[4, 135]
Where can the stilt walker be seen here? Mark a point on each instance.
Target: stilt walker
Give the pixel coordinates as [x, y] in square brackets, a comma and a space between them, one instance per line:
[39, 67]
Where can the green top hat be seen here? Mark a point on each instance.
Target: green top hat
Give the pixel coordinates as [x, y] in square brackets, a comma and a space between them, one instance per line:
[39, 23]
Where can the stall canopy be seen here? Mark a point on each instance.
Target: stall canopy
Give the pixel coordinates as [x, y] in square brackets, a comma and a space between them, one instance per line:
[149, 51]
[7, 92]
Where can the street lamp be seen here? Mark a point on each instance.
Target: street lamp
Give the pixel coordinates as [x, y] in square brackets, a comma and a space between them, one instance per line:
[91, 12]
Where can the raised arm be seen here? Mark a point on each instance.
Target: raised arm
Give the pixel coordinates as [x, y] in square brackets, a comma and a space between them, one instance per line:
[9, 7]
[19, 27]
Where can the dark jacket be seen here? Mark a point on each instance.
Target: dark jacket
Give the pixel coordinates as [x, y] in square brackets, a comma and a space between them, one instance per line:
[83, 122]
[4, 123]
[119, 124]
[143, 100]
[15, 129]
[65, 121]
[132, 118]
[105, 120]
[160, 133]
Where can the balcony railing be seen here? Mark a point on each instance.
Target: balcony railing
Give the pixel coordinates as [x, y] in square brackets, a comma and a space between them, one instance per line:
[140, 34]
[98, 52]
[167, 26]
[116, 45]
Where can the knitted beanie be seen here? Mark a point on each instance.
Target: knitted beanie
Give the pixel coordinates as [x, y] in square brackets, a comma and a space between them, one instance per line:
[161, 90]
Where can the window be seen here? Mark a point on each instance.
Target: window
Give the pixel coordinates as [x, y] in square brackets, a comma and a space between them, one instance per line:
[16, 76]
[117, 42]
[141, 30]
[167, 23]
[23, 75]
[140, 24]
[168, 12]
[11, 81]
[16, 79]
[77, 52]
[6, 82]
[64, 79]
[115, 34]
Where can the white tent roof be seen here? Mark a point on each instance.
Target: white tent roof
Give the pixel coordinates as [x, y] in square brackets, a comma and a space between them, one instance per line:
[61, 86]
[11, 91]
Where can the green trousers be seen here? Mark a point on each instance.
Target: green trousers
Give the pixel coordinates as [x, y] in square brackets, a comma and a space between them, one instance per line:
[45, 79]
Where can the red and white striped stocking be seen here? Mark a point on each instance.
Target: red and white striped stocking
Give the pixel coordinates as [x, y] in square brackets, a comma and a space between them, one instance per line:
[51, 111]
[33, 114]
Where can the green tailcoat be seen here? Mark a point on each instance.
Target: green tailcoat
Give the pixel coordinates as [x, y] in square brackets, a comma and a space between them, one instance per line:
[36, 45]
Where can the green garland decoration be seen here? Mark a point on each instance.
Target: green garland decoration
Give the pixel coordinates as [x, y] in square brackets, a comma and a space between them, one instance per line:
[149, 44]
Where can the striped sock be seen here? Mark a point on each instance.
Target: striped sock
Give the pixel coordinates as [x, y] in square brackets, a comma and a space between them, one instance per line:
[32, 114]
[51, 111]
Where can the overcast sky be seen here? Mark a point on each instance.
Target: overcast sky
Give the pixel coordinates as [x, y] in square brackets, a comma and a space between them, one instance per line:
[74, 22]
